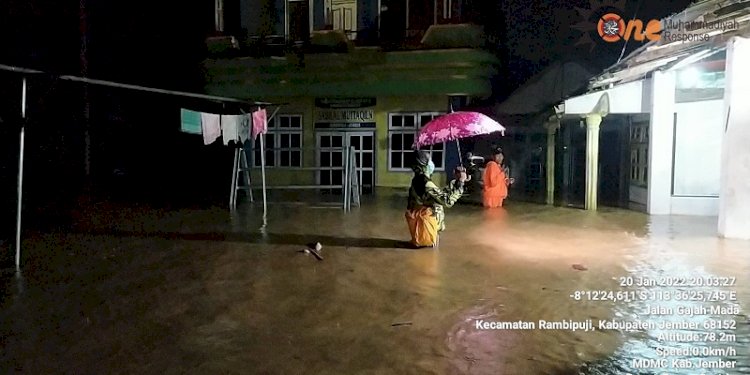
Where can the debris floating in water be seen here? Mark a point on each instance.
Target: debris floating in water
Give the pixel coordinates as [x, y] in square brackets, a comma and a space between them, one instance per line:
[314, 249]
[579, 267]
[310, 250]
[401, 324]
[317, 255]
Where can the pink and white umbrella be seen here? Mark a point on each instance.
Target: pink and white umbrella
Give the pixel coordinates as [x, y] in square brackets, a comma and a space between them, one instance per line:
[454, 126]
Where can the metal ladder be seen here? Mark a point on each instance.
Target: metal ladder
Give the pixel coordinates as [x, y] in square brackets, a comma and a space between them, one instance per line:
[240, 171]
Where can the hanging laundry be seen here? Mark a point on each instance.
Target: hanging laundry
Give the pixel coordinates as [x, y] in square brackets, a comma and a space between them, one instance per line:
[229, 128]
[244, 128]
[259, 123]
[190, 121]
[211, 125]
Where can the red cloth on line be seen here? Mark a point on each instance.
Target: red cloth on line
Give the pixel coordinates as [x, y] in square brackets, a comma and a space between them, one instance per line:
[260, 125]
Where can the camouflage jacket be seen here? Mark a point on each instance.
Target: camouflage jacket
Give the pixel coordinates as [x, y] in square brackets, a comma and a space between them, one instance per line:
[424, 192]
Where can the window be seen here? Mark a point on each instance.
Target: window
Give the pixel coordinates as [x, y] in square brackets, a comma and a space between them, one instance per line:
[283, 142]
[219, 15]
[639, 154]
[402, 128]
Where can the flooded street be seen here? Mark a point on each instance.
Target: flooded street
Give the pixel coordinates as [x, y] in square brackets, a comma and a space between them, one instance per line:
[144, 291]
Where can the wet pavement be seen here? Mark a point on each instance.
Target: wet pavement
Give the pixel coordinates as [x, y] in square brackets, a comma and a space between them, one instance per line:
[138, 290]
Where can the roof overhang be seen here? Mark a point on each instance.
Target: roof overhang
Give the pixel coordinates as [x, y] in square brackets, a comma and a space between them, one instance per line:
[632, 97]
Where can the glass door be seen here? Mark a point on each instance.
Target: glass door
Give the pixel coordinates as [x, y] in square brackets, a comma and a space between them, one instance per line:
[330, 159]
[364, 156]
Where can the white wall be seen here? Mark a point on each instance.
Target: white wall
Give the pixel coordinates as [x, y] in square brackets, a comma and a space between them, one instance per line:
[695, 206]
[691, 155]
[734, 208]
[660, 143]
[697, 154]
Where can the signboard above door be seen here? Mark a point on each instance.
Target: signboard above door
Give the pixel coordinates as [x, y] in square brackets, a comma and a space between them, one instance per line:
[344, 102]
[345, 115]
[344, 112]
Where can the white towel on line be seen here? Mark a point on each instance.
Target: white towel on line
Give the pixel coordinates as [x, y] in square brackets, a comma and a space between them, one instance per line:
[211, 127]
[229, 128]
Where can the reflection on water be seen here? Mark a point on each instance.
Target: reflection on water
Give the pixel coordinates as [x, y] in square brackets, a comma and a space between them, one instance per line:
[136, 290]
[691, 302]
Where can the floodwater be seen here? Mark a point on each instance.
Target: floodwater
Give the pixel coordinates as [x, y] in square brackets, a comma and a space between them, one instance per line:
[137, 290]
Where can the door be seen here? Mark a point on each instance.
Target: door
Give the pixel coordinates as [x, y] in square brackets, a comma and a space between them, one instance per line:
[609, 166]
[364, 156]
[393, 20]
[571, 164]
[330, 158]
[344, 17]
[299, 20]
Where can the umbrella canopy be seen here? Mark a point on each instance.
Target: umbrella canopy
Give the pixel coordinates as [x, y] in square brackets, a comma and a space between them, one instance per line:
[455, 126]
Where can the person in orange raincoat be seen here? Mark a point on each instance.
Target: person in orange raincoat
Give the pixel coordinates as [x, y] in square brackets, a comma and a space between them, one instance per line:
[496, 181]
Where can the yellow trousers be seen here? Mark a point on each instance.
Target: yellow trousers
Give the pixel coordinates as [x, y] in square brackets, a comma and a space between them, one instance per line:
[423, 226]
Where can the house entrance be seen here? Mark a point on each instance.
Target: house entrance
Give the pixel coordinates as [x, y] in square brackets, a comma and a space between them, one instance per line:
[330, 158]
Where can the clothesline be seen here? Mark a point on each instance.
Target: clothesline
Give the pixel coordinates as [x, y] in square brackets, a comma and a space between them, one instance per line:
[101, 82]
[230, 127]
[26, 71]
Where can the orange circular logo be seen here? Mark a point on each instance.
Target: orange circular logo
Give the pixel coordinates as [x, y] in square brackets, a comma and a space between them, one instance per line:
[611, 27]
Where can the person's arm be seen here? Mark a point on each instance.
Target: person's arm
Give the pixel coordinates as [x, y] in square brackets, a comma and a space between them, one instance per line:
[446, 196]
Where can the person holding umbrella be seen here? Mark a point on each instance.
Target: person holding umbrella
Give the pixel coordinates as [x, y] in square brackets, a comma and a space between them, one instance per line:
[425, 213]
[496, 180]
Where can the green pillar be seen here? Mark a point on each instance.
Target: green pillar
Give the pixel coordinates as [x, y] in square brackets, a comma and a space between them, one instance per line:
[592, 160]
[552, 127]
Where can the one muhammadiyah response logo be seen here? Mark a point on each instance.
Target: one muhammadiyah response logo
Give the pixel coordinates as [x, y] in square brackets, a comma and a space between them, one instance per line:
[611, 27]
[605, 17]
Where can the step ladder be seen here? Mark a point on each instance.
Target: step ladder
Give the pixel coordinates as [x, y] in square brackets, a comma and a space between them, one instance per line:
[354, 186]
[240, 172]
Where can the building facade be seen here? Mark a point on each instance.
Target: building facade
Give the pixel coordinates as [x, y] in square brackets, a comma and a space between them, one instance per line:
[366, 21]
[338, 88]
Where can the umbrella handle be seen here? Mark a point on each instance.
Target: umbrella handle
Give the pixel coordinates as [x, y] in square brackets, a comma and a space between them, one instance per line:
[460, 157]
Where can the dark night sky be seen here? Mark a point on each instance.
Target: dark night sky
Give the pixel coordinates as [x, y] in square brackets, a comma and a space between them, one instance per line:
[541, 31]
[136, 41]
[154, 41]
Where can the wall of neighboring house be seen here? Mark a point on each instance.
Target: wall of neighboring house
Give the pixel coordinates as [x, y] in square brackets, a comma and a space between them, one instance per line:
[698, 131]
[685, 154]
[697, 157]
